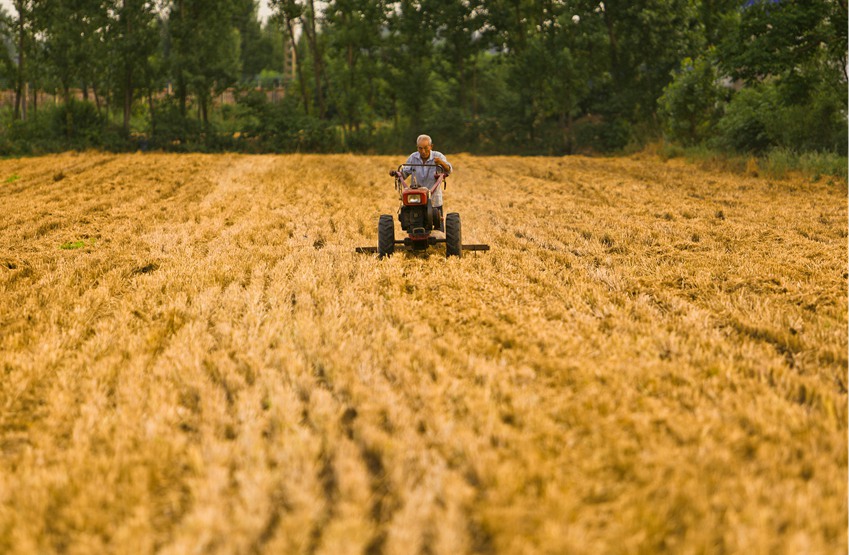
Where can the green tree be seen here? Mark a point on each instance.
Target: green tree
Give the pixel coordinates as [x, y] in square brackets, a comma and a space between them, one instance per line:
[75, 46]
[545, 45]
[689, 106]
[717, 18]
[7, 48]
[204, 50]
[288, 13]
[781, 38]
[279, 52]
[460, 41]
[308, 48]
[309, 20]
[646, 41]
[794, 55]
[24, 32]
[410, 64]
[133, 39]
[255, 47]
[353, 29]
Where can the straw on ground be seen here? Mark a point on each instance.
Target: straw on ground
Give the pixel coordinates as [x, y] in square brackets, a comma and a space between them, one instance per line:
[651, 359]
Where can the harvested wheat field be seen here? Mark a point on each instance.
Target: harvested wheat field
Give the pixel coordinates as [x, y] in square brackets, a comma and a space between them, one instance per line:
[651, 359]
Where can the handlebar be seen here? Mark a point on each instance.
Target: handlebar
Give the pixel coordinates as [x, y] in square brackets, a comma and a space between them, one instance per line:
[441, 176]
[397, 173]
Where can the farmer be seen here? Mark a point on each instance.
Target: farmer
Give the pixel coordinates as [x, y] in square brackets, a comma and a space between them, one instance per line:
[426, 177]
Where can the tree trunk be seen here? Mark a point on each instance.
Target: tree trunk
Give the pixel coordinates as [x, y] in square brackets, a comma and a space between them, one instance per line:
[614, 47]
[181, 81]
[181, 93]
[20, 100]
[461, 81]
[351, 59]
[128, 99]
[566, 130]
[297, 64]
[317, 64]
[152, 112]
[474, 88]
[96, 98]
[128, 77]
[520, 26]
[25, 97]
[203, 109]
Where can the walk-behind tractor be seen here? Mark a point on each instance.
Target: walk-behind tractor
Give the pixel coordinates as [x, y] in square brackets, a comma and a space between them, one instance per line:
[422, 221]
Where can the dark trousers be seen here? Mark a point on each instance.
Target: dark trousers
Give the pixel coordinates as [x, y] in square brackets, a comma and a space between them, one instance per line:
[437, 219]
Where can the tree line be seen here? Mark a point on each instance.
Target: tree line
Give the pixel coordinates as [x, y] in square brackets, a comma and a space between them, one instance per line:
[494, 76]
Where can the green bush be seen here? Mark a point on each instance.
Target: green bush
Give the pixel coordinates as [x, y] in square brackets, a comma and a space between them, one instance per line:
[748, 121]
[781, 161]
[817, 125]
[688, 108]
[34, 135]
[598, 134]
[172, 130]
[767, 116]
[75, 125]
[79, 122]
[283, 127]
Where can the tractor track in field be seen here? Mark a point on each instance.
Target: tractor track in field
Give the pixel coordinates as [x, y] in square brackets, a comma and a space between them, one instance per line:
[382, 504]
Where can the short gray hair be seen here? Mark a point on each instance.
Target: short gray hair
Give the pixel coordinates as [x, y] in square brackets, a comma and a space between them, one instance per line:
[423, 138]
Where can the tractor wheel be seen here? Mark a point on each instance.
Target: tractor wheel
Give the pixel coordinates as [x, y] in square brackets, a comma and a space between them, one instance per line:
[385, 235]
[453, 236]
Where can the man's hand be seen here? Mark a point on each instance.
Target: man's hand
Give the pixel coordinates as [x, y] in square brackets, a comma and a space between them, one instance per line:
[441, 164]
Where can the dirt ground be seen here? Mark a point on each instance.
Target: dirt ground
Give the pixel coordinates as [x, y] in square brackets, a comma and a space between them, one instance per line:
[651, 359]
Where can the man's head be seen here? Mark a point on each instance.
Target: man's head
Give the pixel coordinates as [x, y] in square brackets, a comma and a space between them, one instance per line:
[423, 145]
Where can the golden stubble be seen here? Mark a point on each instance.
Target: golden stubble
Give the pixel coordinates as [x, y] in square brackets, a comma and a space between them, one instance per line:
[652, 358]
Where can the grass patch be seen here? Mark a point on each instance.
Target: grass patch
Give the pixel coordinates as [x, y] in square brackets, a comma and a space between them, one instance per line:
[777, 163]
[12, 178]
[782, 161]
[72, 245]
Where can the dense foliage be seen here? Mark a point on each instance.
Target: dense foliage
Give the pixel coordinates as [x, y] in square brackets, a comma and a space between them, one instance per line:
[517, 76]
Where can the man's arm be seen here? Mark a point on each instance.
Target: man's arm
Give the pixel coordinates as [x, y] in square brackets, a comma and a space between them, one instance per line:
[441, 161]
[410, 160]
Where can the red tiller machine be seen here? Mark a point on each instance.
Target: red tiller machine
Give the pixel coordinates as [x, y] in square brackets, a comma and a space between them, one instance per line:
[420, 219]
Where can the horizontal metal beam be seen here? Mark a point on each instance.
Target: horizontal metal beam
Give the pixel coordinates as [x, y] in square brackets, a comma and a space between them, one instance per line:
[403, 248]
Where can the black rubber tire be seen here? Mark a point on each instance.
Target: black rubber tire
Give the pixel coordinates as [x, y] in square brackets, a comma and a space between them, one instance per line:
[385, 235]
[453, 235]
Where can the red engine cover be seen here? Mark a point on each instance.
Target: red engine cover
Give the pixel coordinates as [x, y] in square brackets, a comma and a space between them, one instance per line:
[409, 197]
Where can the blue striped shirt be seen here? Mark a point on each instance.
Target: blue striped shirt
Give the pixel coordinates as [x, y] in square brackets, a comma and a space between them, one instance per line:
[426, 177]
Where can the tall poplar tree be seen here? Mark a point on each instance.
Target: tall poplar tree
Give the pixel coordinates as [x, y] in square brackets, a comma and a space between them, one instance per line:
[410, 63]
[204, 50]
[353, 28]
[75, 45]
[289, 12]
[133, 38]
[23, 24]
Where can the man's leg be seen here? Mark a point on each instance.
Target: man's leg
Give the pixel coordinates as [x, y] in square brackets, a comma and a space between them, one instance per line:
[438, 223]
